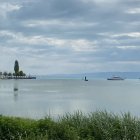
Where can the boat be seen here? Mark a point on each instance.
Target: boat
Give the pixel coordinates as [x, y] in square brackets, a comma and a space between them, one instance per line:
[115, 78]
[86, 78]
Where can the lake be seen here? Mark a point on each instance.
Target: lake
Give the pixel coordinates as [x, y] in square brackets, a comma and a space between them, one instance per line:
[38, 98]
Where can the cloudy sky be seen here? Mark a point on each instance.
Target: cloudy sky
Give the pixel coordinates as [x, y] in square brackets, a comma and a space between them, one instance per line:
[70, 36]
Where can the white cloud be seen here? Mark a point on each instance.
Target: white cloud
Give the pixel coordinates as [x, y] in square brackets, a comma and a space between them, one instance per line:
[129, 63]
[128, 47]
[76, 45]
[83, 45]
[101, 1]
[131, 34]
[7, 7]
[105, 1]
[133, 11]
[8, 34]
[58, 22]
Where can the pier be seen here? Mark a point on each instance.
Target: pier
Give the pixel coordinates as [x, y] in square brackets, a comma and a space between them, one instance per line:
[17, 77]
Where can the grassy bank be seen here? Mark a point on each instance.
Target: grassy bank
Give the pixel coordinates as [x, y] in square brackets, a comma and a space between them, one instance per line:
[95, 126]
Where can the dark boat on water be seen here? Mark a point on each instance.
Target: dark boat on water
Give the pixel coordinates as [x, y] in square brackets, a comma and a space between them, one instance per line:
[115, 78]
[86, 78]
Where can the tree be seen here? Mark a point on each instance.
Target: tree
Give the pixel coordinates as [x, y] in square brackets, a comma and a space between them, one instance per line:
[0, 75]
[16, 68]
[21, 73]
[5, 73]
[24, 74]
[9, 74]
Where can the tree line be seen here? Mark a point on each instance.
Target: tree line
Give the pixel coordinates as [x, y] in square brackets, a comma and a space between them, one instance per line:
[17, 71]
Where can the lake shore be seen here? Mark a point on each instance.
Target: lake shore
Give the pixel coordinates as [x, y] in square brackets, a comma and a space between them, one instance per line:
[17, 77]
[76, 126]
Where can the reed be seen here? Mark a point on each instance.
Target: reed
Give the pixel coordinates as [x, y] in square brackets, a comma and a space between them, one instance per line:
[99, 125]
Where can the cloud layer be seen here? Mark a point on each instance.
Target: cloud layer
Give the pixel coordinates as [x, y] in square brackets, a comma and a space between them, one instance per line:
[70, 36]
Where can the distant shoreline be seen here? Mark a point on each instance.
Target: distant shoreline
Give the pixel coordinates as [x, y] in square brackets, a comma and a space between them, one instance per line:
[19, 77]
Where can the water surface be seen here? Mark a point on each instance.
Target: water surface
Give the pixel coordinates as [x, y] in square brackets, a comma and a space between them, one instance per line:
[37, 98]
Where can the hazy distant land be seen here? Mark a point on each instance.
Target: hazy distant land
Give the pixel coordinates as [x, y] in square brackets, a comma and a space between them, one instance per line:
[94, 75]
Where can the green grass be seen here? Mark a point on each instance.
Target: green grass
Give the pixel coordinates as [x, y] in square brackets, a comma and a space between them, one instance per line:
[94, 126]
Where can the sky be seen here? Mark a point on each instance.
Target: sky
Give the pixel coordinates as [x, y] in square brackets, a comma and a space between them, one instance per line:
[70, 36]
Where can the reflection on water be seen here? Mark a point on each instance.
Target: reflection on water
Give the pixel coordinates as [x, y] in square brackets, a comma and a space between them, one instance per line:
[36, 98]
[15, 90]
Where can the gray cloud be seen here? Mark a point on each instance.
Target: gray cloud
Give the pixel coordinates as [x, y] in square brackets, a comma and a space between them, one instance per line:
[68, 34]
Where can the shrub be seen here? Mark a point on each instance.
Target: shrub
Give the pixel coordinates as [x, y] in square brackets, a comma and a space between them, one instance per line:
[94, 126]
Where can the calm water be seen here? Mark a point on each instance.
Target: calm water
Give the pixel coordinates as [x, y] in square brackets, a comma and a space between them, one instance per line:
[36, 98]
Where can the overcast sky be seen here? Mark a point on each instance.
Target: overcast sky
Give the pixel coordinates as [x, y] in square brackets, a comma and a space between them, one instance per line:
[70, 36]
